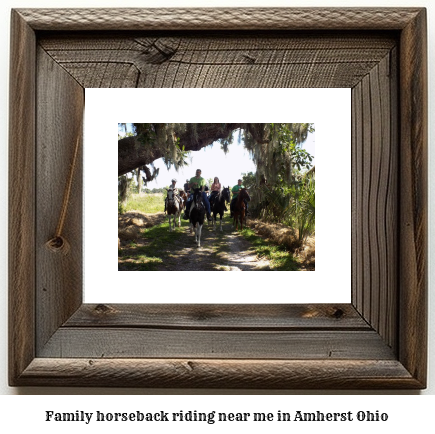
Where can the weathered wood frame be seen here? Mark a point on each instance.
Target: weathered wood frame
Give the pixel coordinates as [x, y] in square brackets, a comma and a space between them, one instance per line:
[377, 341]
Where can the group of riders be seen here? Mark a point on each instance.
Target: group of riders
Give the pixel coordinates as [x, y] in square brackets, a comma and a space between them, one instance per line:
[208, 197]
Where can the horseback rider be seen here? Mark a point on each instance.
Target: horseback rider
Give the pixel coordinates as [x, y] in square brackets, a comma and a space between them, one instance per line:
[173, 185]
[175, 192]
[215, 190]
[186, 186]
[235, 191]
[197, 182]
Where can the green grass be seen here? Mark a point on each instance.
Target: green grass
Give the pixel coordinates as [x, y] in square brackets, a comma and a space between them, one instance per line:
[280, 258]
[158, 246]
[149, 256]
[146, 203]
[160, 235]
[141, 263]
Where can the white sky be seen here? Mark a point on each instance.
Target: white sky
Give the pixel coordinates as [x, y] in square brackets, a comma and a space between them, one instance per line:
[214, 162]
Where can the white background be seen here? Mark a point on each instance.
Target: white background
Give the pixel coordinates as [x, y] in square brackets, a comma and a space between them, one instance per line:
[408, 413]
[326, 108]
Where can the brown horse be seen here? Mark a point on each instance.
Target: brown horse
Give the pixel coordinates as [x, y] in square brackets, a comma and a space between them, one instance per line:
[239, 210]
[183, 196]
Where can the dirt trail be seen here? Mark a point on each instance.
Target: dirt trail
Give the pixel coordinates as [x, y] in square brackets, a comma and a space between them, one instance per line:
[225, 251]
[222, 251]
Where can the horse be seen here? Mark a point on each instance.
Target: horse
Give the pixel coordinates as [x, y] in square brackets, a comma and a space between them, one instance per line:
[196, 215]
[239, 210]
[219, 205]
[183, 196]
[173, 207]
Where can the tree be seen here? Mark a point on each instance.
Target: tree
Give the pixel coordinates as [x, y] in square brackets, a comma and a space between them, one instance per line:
[272, 146]
[276, 157]
[138, 180]
[172, 142]
[124, 183]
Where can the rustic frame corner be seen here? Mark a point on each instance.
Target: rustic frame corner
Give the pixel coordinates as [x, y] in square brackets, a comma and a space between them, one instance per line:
[376, 342]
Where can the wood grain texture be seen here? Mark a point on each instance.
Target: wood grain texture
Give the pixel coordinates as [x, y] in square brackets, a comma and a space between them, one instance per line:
[127, 342]
[232, 60]
[413, 197]
[390, 198]
[379, 342]
[250, 374]
[393, 299]
[21, 197]
[252, 317]
[357, 197]
[375, 198]
[59, 278]
[219, 18]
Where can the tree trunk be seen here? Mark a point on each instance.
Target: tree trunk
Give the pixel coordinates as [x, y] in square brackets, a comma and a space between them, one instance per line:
[139, 181]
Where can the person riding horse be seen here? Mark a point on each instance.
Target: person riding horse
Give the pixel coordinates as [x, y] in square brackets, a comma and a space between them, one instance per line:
[235, 190]
[186, 186]
[218, 207]
[215, 190]
[197, 212]
[197, 182]
[176, 194]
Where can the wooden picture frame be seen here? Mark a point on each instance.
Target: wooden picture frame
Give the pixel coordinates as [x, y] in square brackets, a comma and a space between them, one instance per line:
[376, 342]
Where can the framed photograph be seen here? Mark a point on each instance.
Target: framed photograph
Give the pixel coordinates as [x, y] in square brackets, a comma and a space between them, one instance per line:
[377, 341]
[173, 256]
